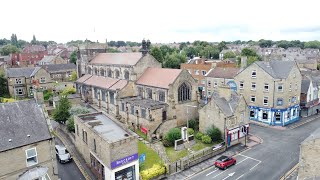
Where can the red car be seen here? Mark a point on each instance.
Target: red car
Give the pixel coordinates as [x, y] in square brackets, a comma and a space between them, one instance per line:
[224, 161]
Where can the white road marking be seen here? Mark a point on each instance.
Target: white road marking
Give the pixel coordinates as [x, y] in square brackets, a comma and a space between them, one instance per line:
[241, 161]
[250, 158]
[220, 173]
[216, 169]
[229, 175]
[255, 165]
[240, 177]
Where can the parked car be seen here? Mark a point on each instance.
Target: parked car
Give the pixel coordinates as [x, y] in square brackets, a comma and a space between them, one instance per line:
[218, 146]
[224, 162]
[62, 154]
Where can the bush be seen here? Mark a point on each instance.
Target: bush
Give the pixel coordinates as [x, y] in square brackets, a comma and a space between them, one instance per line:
[47, 94]
[166, 142]
[173, 135]
[153, 172]
[190, 131]
[79, 110]
[214, 133]
[194, 124]
[206, 139]
[70, 124]
[68, 90]
[199, 136]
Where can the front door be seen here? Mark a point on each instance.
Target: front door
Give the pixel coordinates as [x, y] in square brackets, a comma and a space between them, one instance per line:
[164, 115]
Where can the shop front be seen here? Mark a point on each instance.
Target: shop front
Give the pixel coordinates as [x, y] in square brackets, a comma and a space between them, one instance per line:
[126, 168]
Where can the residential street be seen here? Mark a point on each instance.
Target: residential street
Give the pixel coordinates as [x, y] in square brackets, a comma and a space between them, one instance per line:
[278, 153]
[68, 171]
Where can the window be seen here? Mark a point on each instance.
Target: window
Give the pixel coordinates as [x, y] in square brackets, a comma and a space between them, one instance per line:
[241, 85]
[95, 93]
[101, 72]
[19, 91]
[296, 88]
[252, 113]
[203, 82]
[266, 87]
[253, 99]
[95, 71]
[149, 93]
[140, 91]
[184, 92]
[162, 96]
[143, 113]
[290, 87]
[209, 93]
[209, 83]
[103, 95]
[89, 70]
[253, 86]
[18, 81]
[294, 112]
[84, 136]
[126, 75]
[254, 74]
[122, 107]
[196, 72]
[215, 84]
[31, 155]
[111, 97]
[42, 80]
[109, 72]
[264, 115]
[293, 99]
[288, 114]
[132, 109]
[234, 135]
[280, 87]
[265, 101]
[117, 74]
[278, 116]
[204, 72]
[279, 102]
[94, 145]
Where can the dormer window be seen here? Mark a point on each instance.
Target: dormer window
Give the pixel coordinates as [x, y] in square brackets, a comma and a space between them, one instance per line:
[254, 74]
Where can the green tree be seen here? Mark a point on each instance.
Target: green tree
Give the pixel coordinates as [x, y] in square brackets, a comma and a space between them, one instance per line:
[265, 43]
[74, 76]
[312, 44]
[173, 134]
[251, 60]
[214, 133]
[229, 54]
[14, 40]
[222, 45]
[210, 52]
[157, 54]
[73, 57]
[248, 52]
[34, 40]
[61, 114]
[8, 49]
[174, 60]
[70, 124]
[75, 111]
[3, 85]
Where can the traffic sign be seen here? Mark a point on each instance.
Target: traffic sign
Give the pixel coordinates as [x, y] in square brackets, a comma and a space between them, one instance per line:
[142, 157]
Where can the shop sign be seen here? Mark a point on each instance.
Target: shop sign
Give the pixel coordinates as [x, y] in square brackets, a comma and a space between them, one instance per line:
[124, 161]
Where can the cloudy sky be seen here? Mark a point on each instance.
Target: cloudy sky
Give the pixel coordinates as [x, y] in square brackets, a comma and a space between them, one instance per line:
[160, 21]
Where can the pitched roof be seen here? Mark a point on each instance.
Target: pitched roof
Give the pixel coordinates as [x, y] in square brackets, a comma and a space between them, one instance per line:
[59, 67]
[277, 69]
[117, 58]
[102, 82]
[22, 72]
[47, 59]
[220, 72]
[305, 83]
[227, 107]
[27, 119]
[159, 77]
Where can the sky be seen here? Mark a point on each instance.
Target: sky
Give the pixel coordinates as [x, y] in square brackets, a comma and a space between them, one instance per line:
[160, 21]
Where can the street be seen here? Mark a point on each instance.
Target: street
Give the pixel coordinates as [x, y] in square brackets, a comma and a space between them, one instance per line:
[68, 171]
[269, 160]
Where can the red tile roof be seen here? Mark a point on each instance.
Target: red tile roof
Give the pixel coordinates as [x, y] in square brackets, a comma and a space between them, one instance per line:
[159, 77]
[83, 78]
[102, 82]
[117, 58]
[220, 72]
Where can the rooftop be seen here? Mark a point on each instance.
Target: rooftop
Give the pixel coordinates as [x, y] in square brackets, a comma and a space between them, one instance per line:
[227, 107]
[220, 72]
[22, 123]
[147, 103]
[103, 82]
[104, 126]
[51, 68]
[277, 69]
[117, 58]
[22, 72]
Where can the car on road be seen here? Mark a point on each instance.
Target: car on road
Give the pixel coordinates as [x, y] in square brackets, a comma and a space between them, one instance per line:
[224, 162]
[62, 154]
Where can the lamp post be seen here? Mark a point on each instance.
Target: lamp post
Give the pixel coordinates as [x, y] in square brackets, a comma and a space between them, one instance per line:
[188, 127]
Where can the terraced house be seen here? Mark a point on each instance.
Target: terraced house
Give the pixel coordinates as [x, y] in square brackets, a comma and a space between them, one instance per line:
[272, 91]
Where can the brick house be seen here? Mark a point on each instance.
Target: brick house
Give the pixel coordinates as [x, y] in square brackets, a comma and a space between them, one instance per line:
[272, 91]
[227, 111]
[53, 59]
[110, 150]
[26, 145]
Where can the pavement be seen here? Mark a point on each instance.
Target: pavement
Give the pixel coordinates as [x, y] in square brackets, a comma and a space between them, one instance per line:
[276, 155]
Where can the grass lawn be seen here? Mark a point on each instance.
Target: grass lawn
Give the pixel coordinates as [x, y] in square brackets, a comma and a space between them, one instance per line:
[8, 100]
[199, 145]
[175, 155]
[151, 156]
[141, 134]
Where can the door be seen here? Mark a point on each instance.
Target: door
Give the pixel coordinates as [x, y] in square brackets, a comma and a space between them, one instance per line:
[164, 115]
[229, 139]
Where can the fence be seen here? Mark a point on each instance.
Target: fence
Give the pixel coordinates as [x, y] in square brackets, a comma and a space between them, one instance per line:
[193, 159]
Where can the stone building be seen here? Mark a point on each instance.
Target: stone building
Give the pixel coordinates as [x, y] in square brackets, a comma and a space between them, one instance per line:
[227, 111]
[26, 145]
[309, 167]
[220, 76]
[272, 91]
[60, 72]
[309, 97]
[52, 59]
[110, 150]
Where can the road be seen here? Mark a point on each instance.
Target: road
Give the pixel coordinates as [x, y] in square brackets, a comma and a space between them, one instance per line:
[269, 160]
[68, 171]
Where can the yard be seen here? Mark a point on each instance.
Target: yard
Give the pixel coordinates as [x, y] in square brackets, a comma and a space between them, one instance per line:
[151, 156]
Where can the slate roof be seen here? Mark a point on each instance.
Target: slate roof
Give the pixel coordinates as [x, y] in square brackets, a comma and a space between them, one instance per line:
[117, 58]
[47, 59]
[159, 77]
[22, 72]
[51, 68]
[220, 72]
[277, 69]
[19, 119]
[227, 107]
[305, 83]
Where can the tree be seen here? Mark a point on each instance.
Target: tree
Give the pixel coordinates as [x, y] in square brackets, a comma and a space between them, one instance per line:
[74, 76]
[182, 45]
[73, 57]
[3, 85]
[248, 52]
[229, 54]
[222, 45]
[157, 54]
[8, 49]
[34, 40]
[75, 111]
[210, 52]
[61, 113]
[312, 44]
[174, 60]
[14, 40]
[251, 60]
[265, 43]
[214, 133]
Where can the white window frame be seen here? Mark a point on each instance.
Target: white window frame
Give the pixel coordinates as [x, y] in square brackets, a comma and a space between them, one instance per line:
[17, 91]
[252, 97]
[18, 81]
[204, 72]
[35, 149]
[42, 80]
[241, 85]
[209, 93]
[296, 87]
[196, 72]
[264, 87]
[290, 86]
[254, 75]
[215, 84]
[234, 135]
[209, 83]
[280, 85]
[266, 98]
[255, 86]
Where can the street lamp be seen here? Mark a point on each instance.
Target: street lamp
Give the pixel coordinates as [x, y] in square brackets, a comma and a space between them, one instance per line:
[188, 128]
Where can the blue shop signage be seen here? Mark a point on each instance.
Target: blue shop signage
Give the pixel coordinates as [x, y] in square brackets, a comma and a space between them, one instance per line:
[124, 161]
